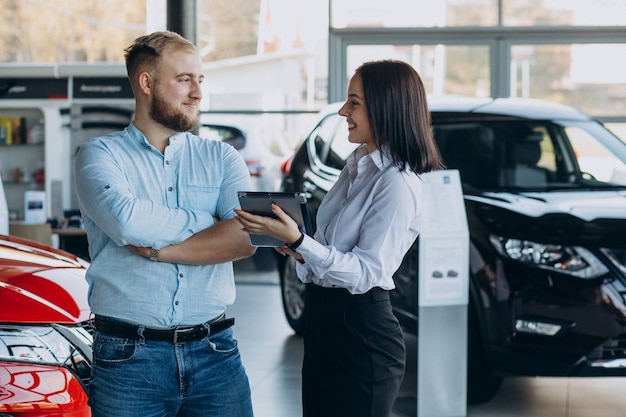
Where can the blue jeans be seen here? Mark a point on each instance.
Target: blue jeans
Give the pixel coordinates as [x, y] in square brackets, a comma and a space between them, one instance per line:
[145, 378]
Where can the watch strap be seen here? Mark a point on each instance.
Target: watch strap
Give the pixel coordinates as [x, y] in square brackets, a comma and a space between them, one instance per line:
[293, 246]
[154, 254]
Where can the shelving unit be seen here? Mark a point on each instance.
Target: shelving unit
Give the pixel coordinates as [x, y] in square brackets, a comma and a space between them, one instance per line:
[63, 105]
[22, 162]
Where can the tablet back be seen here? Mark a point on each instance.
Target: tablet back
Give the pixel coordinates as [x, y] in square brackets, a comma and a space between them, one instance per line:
[259, 202]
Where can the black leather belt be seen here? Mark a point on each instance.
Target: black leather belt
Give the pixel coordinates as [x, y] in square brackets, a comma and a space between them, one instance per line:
[176, 335]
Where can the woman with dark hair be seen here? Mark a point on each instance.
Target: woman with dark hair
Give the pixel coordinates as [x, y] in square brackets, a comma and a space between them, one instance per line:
[354, 353]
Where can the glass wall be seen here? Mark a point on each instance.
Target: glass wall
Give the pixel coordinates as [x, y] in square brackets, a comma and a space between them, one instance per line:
[444, 69]
[292, 55]
[568, 51]
[588, 76]
[447, 13]
[52, 31]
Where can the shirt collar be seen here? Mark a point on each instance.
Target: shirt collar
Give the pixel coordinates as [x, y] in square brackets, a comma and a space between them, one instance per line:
[138, 135]
[378, 158]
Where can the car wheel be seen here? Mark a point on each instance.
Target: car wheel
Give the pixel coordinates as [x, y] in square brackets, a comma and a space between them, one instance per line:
[482, 385]
[294, 296]
[264, 259]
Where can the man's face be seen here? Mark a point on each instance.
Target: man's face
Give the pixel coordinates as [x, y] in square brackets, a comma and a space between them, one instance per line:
[177, 93]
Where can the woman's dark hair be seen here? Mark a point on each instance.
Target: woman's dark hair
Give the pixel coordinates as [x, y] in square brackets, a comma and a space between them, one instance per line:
[398, 113]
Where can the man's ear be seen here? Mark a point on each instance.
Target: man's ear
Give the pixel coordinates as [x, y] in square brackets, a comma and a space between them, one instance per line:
[146, 83]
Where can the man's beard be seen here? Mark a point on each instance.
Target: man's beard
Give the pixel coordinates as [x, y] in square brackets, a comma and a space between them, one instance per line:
[165, 114]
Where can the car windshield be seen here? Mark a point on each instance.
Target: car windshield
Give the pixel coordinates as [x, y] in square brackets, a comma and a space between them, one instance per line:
[532, 155]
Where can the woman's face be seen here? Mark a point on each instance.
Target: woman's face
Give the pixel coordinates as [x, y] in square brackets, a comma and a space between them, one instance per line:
[355, 112]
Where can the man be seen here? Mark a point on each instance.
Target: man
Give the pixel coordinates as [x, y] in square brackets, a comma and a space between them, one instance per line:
[163, 346]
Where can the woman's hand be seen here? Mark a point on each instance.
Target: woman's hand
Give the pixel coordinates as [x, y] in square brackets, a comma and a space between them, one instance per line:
[285, 251]
[283, 227]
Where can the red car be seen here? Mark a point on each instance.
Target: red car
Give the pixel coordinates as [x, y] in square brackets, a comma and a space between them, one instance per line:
[45, 336]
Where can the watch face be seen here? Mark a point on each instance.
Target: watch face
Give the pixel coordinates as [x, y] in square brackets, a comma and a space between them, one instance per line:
[154, 254]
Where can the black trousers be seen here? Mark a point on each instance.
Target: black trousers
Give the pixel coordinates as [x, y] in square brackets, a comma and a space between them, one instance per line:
[354, 354]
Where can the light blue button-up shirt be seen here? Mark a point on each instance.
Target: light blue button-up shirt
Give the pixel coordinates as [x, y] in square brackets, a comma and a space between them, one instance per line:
[365, 225]
[130, 193]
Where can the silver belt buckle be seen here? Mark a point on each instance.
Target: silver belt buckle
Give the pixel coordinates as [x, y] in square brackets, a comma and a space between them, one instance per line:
[181, 331]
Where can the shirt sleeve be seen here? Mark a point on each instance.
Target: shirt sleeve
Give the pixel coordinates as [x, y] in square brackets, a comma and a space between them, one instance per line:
[105, 197]
[236, 178]
[388, 229]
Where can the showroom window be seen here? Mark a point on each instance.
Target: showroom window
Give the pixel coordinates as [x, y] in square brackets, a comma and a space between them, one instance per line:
[468, 75]
[584, 75]
[291, 55]
[428, 13]
[559, 50]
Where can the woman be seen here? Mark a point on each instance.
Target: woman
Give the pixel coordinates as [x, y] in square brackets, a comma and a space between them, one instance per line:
[354, 353]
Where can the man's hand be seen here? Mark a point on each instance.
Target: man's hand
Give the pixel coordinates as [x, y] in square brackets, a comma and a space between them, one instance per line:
[222, 242]
[145, 252]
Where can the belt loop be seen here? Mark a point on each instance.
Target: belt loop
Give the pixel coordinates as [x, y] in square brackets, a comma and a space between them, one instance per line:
[140, 336]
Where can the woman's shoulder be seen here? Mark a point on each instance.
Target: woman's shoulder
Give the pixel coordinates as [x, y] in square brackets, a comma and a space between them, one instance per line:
[393, 176]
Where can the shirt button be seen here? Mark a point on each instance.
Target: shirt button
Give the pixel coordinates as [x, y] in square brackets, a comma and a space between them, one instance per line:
[181, 275]
[167, 162]
[175, 302]
[169, 188]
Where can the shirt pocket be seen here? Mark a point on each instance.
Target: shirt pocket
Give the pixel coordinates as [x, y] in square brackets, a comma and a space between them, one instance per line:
[199, 197]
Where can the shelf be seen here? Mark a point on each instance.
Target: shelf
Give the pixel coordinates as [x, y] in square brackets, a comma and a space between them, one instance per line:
[21, 145]
[22, 149]
[23, 183]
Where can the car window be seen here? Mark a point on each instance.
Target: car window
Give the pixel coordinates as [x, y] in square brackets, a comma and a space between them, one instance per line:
[547, 159]
[531, 155]
[340, 144]
[331, 141]
[501, 154]
[323, 134]
[228, 134]
[595, 160]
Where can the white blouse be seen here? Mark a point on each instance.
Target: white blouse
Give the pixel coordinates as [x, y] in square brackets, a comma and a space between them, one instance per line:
[365, 225]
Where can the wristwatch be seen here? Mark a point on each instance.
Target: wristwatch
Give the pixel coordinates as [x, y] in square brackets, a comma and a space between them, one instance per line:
[154, 254]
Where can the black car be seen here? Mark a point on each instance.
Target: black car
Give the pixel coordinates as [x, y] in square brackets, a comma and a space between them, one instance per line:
[545, 195]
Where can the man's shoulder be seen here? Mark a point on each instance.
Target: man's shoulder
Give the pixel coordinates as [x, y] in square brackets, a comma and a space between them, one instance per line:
[108, 138]
[209, 144]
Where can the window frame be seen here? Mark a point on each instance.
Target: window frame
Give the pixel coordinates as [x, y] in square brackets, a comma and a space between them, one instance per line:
[499, 40]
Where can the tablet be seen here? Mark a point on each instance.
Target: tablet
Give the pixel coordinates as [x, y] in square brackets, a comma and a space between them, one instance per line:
[259, 202]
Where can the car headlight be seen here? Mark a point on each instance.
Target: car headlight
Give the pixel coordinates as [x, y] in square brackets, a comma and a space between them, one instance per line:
[67, 346]
[571, 260]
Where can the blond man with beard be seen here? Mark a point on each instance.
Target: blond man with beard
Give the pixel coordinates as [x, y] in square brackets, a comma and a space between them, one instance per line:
[158, 206]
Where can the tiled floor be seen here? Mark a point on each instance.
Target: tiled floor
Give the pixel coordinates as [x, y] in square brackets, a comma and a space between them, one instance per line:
[272, 355]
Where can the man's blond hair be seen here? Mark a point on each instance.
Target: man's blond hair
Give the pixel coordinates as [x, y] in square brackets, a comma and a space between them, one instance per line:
[145, 53]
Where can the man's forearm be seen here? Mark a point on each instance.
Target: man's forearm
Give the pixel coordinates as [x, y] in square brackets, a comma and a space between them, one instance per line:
[222, 242]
